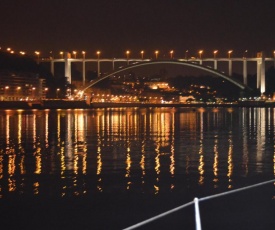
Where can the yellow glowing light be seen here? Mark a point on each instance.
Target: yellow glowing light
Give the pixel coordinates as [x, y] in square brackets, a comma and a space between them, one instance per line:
[156, 53]
[171, 53]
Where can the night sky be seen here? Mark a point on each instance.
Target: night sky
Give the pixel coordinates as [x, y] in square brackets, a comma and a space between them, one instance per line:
[119, 25]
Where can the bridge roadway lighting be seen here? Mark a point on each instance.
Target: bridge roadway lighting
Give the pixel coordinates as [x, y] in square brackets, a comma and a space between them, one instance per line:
[62, 54]
[74, 53]
[127, 54]
[215, 53]
[37, 53]
[141, 53]
[156, 52]
[98, 54]
[98, 64]
[229, 53]
[245, 54]
[186, 54]
[200, 53]
[83, 53]
[171, 53]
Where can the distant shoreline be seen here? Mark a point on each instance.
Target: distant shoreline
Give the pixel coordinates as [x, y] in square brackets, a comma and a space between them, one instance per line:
[67, 104]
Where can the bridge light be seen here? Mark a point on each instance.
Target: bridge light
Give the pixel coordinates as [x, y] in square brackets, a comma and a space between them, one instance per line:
[74, 53]
[98, 54]
[127, 54]
[171, 53]
[245, 53]
[61, 54]
[83, 53]
[186, 54]
[229, 53]
[200, 53]
[142, 53]
[215, 53]
[37, 53]
[156, 52]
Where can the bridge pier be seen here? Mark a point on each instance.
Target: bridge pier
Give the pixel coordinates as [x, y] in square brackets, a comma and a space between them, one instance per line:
[261, 72]
[83, 72]
[215, 64]
[230, 67]
[244, 71]
[68, 73]
[52, 67]
[98, 68]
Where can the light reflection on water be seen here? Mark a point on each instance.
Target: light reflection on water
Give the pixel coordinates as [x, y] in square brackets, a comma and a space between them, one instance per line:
[78, 152]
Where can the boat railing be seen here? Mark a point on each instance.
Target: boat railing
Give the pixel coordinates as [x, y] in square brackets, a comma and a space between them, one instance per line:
[195, 202]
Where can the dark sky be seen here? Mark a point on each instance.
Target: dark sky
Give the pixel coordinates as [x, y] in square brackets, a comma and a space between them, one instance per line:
[113, 26]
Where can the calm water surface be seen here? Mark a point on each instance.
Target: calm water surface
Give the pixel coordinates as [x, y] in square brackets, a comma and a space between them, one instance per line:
[111, 168]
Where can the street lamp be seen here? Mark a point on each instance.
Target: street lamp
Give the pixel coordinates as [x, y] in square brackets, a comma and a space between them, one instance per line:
[156, 53]
[98, 54]
[62, 54]
[57, 92]
[229, 53]
[127, 54]
[74, 52]
[17, 91]
[22, 52]
[245, 53]
[33, 89]
[83, 53]
[186, 54]
[200, 53]
[142, 53]
[37, 53]
[46, 91]
[215, 53]
[171, 53]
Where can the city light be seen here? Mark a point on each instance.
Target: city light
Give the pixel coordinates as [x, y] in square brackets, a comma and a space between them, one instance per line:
[200, 53]
[98, 54]
[229, 53]
[74, 53]
[171, 54]
[215, 53]
[186, 54]
[142, 53]
[83, 53]
[156, 53]
[127, 54]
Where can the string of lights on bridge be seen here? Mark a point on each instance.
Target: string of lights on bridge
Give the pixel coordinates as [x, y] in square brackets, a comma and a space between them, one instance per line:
[127, 53]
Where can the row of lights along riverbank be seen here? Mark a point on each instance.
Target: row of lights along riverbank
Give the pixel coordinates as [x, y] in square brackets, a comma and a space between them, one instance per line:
[127, 54]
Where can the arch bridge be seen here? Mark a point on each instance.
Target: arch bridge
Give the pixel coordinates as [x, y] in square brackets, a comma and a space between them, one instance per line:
[198, 63]
[172, 62]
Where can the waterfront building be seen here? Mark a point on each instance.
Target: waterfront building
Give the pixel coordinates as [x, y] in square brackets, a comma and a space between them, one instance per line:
[18, 86]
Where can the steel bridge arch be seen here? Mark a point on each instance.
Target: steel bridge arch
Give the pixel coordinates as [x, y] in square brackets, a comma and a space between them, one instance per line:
[173, 62]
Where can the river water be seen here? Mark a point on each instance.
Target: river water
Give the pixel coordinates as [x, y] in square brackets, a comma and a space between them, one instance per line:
[111, 168]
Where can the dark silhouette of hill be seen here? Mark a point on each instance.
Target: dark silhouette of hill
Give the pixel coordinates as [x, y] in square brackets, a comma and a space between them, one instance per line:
[23, 64]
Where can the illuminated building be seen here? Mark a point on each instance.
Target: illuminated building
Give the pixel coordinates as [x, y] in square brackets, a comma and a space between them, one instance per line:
[21, 86]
